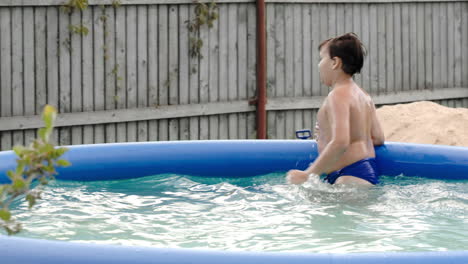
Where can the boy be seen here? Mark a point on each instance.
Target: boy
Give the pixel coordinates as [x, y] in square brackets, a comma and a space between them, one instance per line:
[347, 120]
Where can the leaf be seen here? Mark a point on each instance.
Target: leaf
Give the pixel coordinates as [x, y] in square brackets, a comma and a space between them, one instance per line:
[47, 148]
[63, 163]
[43, 134]
[60, 151]
[5, 215]
[43, 180]
[18, 184]
[84, 30]
[20, 167]
[11, 175]
[18, 150]
[13, 228]
[31, 200]
[48, 115]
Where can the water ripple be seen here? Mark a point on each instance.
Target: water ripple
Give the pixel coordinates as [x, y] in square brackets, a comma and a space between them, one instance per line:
[258, 213]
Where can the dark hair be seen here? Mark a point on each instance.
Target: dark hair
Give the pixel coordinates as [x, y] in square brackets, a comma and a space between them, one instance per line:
[349, 49]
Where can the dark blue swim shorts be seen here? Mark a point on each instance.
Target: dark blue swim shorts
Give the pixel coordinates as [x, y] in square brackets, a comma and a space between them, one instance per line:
[365, 169]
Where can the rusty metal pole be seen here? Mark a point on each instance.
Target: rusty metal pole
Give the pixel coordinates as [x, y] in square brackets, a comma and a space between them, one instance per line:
[261, 70]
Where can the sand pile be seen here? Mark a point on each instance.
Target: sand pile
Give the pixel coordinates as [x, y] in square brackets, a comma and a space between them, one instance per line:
[426, 123]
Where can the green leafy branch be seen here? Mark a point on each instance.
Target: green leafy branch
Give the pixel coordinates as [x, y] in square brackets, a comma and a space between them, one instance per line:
[116, 3]
[36, 162]
[71, 5]
[79, 29]
[205, 14]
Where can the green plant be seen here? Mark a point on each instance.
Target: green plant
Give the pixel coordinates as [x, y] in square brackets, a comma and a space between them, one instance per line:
[71, 5]
[116, 3]
[36, 162]
[79, 29]
[205, 14]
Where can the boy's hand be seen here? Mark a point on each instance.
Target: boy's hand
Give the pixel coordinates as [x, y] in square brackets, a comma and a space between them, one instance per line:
[296, 176]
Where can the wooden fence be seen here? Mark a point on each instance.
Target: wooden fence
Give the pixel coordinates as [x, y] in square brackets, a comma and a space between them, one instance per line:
[132, 78]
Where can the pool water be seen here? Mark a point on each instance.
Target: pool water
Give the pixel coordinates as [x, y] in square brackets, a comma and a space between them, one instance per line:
[254, 214]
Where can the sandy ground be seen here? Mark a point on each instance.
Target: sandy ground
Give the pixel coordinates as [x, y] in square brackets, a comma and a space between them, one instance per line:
[426, 123]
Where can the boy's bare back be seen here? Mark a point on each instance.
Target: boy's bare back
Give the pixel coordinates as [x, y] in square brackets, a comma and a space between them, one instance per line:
[361, 117]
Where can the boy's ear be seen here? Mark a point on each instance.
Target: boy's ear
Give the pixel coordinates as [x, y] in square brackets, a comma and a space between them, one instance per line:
[337, 62]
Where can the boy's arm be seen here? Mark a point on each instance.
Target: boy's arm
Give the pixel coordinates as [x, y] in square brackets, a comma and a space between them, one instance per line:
[338, 115]
[377, 133]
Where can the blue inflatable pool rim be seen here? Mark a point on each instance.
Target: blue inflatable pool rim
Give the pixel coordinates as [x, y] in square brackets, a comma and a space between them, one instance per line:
[237, 158]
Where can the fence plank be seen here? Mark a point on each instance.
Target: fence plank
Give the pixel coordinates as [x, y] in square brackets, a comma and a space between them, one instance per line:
[382, 49]
[184, 69]
[17, 69]
[356, 22]
[406, 66]
[413, 47]
[332, 25]
[457, 41]
[398, 52]
[64, 74]
[121, 69]
[223, 68]
[373, 50]
[437, 60]
[272, 84]
[340, 19]
[348, 21]
[365, 27]
[420, 35]
[307, 51]
[5, 74]
[390, 50]
[76, 80]
[98, 67]
[110, 65]
[323, 34]
[173, 88]
[315, 35]
[52, 62]
[281, 83]
[204, 81]
[464, 50]
[164, 81]
[153, 68]
[214, 84]
[242, 67]
[252, 63]
[28, 76]
[87, 72]
[297, 74]
[142, 69]
[450, 20]
[443, 37]
[194, 82]
[76, 70]
[428, 45]
[232, 67]
[132, 93]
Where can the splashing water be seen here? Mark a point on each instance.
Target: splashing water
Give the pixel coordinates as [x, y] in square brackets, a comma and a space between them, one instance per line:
[261, 213]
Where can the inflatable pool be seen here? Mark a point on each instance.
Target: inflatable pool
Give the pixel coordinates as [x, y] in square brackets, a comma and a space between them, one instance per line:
[240, 158]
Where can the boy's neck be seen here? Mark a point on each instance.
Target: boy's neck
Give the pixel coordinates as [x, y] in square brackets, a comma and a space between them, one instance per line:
[342, 80]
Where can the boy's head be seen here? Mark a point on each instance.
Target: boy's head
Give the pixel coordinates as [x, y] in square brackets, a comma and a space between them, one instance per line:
[344, 52]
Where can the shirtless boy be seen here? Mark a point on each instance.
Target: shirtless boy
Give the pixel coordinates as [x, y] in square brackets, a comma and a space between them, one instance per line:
[348, 124]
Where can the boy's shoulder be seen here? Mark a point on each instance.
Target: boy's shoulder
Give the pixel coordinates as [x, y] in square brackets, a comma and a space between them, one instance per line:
[341, 94]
